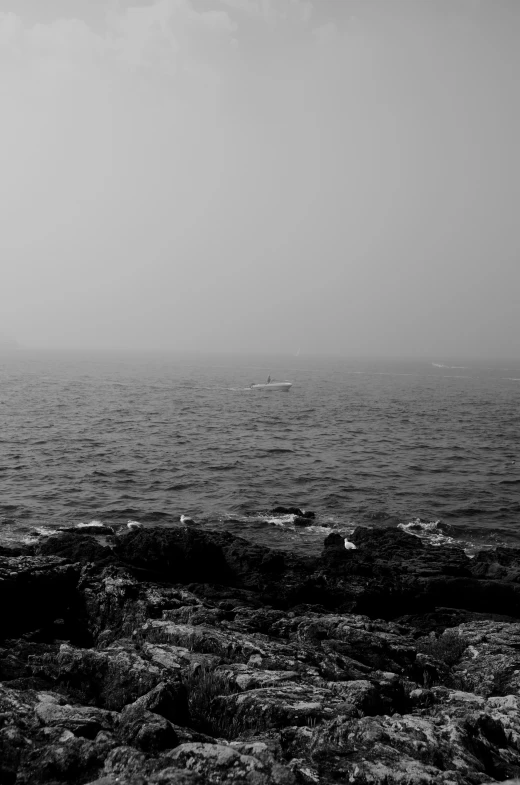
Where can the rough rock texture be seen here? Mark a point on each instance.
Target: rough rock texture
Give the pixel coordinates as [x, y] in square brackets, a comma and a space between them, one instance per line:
[187, 656]
[36, 591]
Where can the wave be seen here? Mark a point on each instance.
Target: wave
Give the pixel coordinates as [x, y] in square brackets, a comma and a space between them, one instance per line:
[432, 531]
[91, 524]
[39, 531]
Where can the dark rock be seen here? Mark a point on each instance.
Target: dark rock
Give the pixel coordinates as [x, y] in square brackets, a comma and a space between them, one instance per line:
[34, 591]
[125, 761]
[91, 529]
[111, 678]
[226, 764]
[179, 554]
[386, 543]
[490, 665]
[84, 721]
[75, 548]
[446, 747]
[334, 541]
[300, 520]
[214, 660]
[12, 551]
[167, 699]
[62, 757]
[442, 618]
[293, 511]
[391, 574]
[145, 730]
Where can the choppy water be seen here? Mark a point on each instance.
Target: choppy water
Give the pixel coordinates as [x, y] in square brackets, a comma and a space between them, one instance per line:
[147, 438]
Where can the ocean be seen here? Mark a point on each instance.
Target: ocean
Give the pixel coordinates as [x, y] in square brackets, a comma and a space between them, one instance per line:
[431, 446]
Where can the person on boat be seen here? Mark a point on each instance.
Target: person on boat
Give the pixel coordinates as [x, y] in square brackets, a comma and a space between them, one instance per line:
[269, 379]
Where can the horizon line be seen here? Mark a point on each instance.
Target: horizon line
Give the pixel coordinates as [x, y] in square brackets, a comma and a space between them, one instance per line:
[426, 357]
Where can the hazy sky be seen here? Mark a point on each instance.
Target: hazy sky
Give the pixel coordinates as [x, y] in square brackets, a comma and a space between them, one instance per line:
[261, 175]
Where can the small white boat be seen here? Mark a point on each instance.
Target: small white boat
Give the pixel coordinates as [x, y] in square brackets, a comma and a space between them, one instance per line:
[272, 386]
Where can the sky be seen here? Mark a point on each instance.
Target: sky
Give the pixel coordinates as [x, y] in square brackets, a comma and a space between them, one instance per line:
[334, 176]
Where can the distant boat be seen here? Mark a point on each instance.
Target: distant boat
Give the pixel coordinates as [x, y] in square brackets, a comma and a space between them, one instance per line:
[273, 386]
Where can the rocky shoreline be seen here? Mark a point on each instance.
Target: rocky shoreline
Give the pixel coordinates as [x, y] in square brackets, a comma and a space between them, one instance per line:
[188, 656]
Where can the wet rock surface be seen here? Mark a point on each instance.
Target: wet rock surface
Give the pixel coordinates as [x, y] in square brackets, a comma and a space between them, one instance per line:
[180, 655]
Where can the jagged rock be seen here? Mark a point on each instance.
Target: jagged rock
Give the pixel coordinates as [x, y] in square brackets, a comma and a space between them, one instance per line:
[197, 763]
[167, 699]
[266, 668]
[59, 756]
[397, 749]
[181, 554]
[490, 665]
[441, 619]
[42, 740]
[17, 707]
[17, 723]
[91, 529]
[232, 645]
[392, 573]
[256, 619]
[176, 659]
[34, 591]
[112, 678]
[75, 547]
[171, 776]
[225, 764]
[302, 520]
[85, 721]
[243, 677]
[275, 707]
[375, 644]
[145, 730]
[13, 742]
[13, 551]
[125, 761]
[497, 564]
[386, 543]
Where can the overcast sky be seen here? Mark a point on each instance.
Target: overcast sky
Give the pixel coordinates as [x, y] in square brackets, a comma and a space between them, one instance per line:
[261, 175]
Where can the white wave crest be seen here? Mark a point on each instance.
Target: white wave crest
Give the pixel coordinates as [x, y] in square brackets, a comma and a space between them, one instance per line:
[287, 521]
[281, 520]
[426, 530]
[44, 531]
[91, 523]
[320, 529]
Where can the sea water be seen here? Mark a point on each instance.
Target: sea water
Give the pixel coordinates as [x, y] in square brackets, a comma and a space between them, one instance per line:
[431, 446]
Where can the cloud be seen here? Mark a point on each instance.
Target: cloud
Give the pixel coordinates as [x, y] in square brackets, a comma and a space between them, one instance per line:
[10, 26]
[142, 37]
[167, 37]
[273, 11]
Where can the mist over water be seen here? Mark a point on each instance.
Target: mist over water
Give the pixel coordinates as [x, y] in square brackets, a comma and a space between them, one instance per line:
[285, 179]
[261, 175]
[127, 437]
